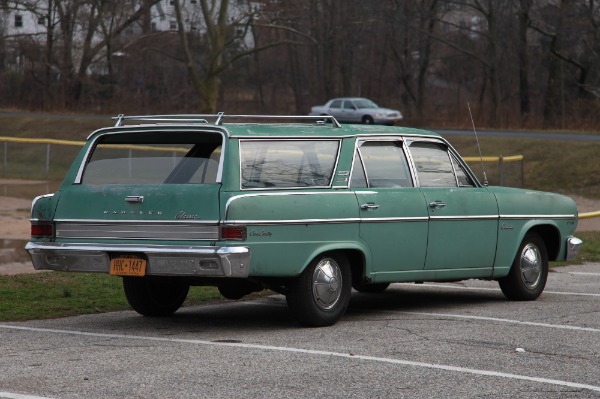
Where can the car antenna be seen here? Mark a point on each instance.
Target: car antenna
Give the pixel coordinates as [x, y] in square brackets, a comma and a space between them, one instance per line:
[485, 180]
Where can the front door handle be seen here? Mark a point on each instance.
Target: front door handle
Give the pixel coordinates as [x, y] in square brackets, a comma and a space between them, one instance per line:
[370, 205]
[437, 204]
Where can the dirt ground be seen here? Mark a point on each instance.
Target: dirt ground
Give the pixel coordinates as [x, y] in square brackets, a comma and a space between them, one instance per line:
[15, 227]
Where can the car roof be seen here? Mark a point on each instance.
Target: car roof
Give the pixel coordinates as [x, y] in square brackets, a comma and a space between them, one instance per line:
[268, 127]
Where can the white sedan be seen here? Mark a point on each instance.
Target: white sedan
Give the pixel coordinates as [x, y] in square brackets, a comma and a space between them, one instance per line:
[357, 110]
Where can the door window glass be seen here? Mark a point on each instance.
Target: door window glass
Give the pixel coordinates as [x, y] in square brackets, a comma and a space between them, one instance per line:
[433, 164]
[382, 164]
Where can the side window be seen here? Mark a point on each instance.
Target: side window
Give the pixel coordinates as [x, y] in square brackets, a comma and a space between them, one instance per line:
[336, 104]
[461, 174]
[287, 163]
[349, 105]
[381, 164]
[433, 164]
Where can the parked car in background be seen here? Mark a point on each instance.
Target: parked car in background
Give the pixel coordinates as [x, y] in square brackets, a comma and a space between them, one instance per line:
[308, 210]
[357, 110]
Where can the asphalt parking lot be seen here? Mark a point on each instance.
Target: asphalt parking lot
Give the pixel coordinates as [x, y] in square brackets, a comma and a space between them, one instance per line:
[412, 341]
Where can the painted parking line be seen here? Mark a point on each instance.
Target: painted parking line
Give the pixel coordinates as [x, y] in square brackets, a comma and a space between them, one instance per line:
[356, 357]
[456, 287]
[584, 274]
[10, 395]
[496, 320]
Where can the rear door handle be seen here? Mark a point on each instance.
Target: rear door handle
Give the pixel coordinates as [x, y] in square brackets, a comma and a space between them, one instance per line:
[370, 205]
[437, 204]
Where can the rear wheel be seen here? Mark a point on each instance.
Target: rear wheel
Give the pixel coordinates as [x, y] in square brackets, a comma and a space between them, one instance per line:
[529, 271]
[154, 297]
[320, 295]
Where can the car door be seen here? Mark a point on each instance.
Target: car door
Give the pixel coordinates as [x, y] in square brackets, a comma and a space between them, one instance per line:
[335, 109]
[350, 111]
[393, 214]
[463, 217]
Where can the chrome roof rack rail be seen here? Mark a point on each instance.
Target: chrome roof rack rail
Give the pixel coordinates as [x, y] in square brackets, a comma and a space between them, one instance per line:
[192, 118]
[220, 117]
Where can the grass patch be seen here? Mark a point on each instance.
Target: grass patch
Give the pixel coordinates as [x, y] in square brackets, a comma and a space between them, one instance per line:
[57, 294]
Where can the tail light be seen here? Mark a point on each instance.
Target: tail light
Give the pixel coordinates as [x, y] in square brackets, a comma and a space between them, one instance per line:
[234, 233]
[42, 230]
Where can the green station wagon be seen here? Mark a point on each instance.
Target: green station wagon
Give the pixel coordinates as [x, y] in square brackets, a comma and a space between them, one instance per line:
[303, 206]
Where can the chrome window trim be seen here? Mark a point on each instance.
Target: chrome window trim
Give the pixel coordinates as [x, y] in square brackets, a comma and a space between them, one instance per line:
[93, 143]
[316, 138]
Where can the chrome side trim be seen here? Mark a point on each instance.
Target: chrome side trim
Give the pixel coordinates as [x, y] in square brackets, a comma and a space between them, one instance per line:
[136, 231]
[163, 260]
[473, 217]
[329, 221]
[573, 246]
[538, 216]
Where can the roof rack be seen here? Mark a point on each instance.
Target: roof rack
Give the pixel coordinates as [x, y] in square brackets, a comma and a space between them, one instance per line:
[219, 117]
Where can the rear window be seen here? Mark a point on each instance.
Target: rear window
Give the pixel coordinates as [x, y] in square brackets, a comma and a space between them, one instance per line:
[165, 158]
[287, 163]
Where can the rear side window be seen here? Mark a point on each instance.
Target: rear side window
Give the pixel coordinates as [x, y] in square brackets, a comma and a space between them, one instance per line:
[144, 158]
[287, 163]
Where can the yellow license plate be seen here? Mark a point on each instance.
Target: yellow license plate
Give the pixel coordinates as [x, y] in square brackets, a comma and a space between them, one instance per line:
[128, 265]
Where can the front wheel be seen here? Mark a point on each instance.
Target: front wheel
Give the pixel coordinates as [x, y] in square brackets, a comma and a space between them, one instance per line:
[529, 271]
[320, 295]
[368, 120]
[154, 297]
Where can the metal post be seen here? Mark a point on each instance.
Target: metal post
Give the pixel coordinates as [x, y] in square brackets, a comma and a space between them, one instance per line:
[5, 170]
[47, 159]
[501, 169]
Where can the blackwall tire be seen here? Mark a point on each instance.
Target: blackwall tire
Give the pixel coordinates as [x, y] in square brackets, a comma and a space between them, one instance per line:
[154, 297]
[320, 295]
[529, 272]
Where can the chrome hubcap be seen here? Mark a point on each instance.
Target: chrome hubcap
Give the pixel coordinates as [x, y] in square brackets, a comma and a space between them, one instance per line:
[531, 266]
[327, 283]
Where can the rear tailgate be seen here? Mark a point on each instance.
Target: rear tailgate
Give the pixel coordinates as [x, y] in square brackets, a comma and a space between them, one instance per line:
[145, 185]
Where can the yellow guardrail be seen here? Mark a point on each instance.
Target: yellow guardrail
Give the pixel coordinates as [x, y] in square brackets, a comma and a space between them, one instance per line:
[511, 158]
[589, 215]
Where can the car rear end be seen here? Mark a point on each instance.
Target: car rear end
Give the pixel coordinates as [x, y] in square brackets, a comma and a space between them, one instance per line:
[140, 201]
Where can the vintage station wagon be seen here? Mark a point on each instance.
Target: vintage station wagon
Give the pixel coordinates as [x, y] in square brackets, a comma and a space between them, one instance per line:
[300, 205]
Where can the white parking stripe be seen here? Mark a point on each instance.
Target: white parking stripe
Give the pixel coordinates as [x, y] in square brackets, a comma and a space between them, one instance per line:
[495, 319]
[585, 274]
[465, 370]
[10, 395]
[455, 287]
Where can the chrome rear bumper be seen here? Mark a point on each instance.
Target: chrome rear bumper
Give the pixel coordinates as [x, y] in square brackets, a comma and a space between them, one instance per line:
[163, 260]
